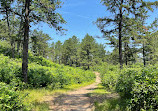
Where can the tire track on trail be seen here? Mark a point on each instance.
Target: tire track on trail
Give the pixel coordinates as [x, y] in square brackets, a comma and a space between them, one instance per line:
[74, 100]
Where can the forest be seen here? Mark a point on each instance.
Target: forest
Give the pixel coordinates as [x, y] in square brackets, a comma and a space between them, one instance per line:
[32, 65]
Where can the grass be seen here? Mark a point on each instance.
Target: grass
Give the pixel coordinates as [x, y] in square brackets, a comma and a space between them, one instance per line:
[76, 86]
[107, 101]
[100, 90]
[40, 106]
[38, 97]
[113, 104]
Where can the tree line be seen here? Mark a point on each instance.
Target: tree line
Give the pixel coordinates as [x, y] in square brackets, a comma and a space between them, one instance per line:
[83, 54]
[72, 52]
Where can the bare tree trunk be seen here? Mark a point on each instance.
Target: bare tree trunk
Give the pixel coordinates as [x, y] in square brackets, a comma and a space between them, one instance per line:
[25, 42]
[18, 47]
[126, 55]
[144, 61]
[13, 49]
[120, 38]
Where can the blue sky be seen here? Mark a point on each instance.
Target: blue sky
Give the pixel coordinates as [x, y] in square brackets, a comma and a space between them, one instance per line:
[80, 15]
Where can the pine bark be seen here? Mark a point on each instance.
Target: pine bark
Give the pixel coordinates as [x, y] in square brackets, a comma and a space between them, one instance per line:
[25, 42]
[126, 54]
[144, 60]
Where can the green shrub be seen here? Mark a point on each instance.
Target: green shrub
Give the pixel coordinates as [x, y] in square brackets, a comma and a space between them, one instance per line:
[5, 48]
[109, 76]
[68, 76]
[55, 76]
[140, 88]
[39, 76]
[125, 83]
[41, 61]
[9, 69]
[109, 80]
[11, 100]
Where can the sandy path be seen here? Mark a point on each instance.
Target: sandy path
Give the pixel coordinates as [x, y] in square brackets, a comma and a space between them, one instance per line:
[74, 100]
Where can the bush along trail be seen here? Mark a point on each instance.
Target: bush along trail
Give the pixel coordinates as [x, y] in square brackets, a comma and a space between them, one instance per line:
[77, 100]
[44, 78]
[133, 88]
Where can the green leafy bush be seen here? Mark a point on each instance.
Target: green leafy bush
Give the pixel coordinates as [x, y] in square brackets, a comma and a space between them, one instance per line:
[9, 69]
[39, 76]
[11, 100]
[41, 61]
[109, 80]
[109, 76]
[5, 48]
[140, 88]
[55, 76]
[125, 82]
[68, 76]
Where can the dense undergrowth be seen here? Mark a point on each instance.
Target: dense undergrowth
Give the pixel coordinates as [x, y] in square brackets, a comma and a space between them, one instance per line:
[136, 85]
[42, 73]
[11, 99]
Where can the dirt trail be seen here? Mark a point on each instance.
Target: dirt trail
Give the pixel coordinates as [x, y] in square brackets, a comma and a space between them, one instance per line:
[74, 100]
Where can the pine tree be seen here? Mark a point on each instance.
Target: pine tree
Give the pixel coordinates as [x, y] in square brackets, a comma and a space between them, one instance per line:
[70, 47]
[58, 52]
[39, 42]
[120, 10]
[87, 51]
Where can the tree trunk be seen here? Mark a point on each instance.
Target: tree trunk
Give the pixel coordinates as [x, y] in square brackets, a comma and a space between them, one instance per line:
[88, 67]
[25, 42]
[13, 49]
[120, 37]
[144, 61]
[126, 55]
[88, 54]
[18, 48]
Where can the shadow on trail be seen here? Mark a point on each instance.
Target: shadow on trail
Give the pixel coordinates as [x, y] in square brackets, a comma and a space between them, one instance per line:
[77, 100]
[73, 102]
[108, 102]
